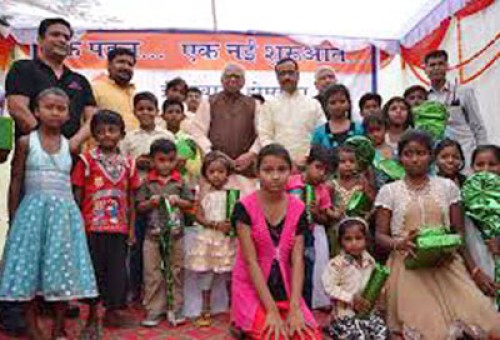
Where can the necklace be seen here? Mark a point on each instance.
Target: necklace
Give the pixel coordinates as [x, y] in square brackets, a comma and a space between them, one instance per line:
[417, 187]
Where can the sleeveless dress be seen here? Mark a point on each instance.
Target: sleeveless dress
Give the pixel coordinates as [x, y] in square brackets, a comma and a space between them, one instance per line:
[212, 251]
[46, 252]
[248, 313]
[429, 303]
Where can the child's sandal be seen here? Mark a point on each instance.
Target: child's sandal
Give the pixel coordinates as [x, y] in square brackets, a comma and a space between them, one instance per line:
[204, 320]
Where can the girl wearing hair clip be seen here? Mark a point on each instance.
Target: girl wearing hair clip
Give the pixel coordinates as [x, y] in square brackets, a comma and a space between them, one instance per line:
[345, 278]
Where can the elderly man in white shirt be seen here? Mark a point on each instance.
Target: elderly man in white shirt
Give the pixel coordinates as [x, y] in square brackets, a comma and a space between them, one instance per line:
[290, 118]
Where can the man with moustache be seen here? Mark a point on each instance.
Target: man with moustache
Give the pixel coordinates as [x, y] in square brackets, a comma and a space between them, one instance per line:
[27, 78]
[465, 123]
[290, 118]
[114, 91]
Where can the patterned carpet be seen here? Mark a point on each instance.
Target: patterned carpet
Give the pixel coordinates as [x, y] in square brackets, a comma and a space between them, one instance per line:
[188, 331]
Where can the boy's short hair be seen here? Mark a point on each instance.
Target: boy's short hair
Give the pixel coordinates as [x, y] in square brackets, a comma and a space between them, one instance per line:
[369, 96]
[162, 145]
[106, 117]
[112, 54]
[414, 88]
[171, 102]
[371, 120]
[46, 23]
[436, 54]
[175, 82]
[194, 89]
[146, 95]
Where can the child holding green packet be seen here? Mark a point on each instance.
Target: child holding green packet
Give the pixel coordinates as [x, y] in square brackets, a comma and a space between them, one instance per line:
[353, 281]
[429, 302]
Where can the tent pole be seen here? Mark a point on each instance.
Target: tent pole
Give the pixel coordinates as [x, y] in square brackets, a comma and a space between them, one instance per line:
[214, 16]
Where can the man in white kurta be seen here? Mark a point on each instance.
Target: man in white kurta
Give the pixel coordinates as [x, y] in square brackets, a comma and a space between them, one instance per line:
[291, 117]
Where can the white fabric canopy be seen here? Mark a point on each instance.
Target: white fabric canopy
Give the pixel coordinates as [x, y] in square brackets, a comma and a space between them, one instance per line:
[388, 19]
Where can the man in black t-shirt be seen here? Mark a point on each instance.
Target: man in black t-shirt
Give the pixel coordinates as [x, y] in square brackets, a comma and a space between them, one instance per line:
[27, 78]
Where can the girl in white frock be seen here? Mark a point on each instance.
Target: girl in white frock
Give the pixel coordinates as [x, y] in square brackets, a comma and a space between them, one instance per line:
[213, 250]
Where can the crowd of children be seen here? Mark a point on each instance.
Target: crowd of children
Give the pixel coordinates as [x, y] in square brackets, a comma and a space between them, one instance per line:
[281, 257]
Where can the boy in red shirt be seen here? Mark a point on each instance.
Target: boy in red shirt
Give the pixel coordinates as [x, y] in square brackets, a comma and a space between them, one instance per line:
[104, 182]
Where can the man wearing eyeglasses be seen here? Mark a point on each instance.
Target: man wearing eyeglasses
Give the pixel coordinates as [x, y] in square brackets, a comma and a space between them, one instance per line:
[227, 122]
[291, 117]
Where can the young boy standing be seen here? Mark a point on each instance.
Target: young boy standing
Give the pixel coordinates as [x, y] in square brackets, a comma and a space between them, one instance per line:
[136, 145]
[104, 182]
[163, 182]
[174, 117]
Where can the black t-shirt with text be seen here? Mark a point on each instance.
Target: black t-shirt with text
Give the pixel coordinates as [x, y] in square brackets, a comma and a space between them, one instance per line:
[30, 77]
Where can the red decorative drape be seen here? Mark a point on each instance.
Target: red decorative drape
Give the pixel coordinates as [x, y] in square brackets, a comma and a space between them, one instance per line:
[412, 57]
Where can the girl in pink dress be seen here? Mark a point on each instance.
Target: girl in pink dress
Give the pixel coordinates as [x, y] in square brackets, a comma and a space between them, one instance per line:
[268, 274]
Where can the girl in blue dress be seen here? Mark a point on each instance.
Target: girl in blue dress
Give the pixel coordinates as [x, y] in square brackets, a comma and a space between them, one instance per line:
[340, 126]
[46, 252]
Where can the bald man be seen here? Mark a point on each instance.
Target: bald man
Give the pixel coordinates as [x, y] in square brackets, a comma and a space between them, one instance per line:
[227, 122]
[323, 77]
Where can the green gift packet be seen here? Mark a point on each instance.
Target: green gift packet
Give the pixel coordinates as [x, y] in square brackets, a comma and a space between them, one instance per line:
[432, 243]
[358, 204]
[186, 148]
[432, 117]
[392, 168]
[6, 133]
[376, 282]
[232, 197]
[481, 198]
